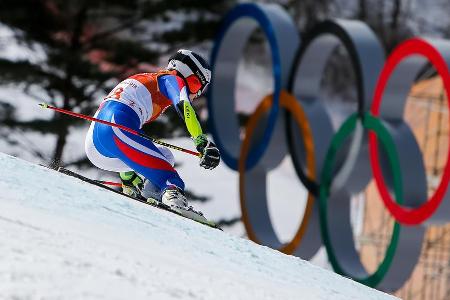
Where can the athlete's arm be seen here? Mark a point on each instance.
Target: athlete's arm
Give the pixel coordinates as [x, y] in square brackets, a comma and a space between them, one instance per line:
[174, 88]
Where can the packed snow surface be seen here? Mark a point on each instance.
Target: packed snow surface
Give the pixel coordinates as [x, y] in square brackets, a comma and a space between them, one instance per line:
[61, 238]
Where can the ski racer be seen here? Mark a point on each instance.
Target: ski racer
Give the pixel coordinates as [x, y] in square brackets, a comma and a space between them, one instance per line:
[140, 99]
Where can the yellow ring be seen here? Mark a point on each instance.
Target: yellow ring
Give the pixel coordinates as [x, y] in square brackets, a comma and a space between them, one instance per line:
[289, 103]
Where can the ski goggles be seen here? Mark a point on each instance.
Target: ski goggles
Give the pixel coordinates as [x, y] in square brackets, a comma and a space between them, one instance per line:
[194, 85]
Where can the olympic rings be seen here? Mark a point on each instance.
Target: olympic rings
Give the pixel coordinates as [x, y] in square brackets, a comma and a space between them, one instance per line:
[367, 57]
[405, 244]
[232, 37]
[305, 130]
[431, 50]
[260, 229]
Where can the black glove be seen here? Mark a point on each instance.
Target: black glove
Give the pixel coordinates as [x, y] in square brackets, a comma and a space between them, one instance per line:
[210, 154]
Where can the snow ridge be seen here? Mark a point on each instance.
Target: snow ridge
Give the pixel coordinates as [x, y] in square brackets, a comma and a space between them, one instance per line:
[61, 238]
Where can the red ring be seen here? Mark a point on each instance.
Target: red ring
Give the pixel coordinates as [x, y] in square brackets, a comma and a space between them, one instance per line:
[409, 216]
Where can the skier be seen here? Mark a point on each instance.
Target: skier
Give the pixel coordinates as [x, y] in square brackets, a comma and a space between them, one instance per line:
[140, 99]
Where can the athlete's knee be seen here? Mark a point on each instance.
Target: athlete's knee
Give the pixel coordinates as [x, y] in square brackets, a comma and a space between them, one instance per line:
[167, 154]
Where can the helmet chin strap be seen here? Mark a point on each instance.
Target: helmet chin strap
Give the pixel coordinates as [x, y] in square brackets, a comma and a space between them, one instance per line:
[193, 96]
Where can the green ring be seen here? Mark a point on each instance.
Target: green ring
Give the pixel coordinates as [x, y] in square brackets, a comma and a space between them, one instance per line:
[371, 123]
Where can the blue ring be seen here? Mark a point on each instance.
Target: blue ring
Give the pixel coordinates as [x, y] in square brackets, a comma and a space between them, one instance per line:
[257, 13]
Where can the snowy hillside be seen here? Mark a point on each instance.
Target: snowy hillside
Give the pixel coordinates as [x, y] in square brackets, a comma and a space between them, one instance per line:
[61, 238]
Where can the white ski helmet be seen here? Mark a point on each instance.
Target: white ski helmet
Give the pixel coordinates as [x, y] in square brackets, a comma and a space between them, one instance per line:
[194, 69]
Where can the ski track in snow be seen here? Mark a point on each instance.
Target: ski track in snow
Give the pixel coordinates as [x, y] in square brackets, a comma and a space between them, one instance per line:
[61, 238]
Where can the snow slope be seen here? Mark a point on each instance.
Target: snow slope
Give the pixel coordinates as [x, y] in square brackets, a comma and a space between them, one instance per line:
[61, 238]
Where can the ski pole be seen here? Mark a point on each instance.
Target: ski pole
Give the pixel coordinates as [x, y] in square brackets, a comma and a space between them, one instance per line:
[108, 183]
[81, 116]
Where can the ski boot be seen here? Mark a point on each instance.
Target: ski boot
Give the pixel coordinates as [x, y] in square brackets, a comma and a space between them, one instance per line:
[176, 200]
[132, 184]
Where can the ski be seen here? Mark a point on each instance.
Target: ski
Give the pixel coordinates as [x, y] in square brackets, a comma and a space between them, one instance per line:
[149, 201]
